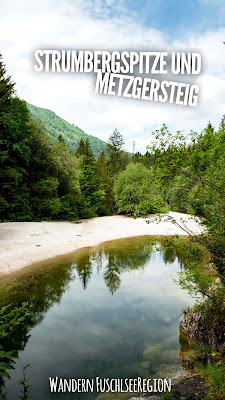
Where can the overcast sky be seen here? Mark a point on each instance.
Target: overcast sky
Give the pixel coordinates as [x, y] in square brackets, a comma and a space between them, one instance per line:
[149, 25]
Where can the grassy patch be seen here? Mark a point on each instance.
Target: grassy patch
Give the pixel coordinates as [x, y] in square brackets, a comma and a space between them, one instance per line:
[215, 375]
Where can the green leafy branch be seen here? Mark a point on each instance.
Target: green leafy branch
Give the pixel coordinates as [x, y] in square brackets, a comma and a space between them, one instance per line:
[10, 319]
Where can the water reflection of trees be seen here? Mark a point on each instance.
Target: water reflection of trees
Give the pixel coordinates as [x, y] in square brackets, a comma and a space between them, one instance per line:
[125, 258]
[41, 290]
[171, 251]
[112, 263]
[44, 286]
[170, 254]
[112, 275]
[84, 266]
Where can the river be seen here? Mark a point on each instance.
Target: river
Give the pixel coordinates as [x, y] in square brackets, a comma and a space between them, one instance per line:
[111, 311]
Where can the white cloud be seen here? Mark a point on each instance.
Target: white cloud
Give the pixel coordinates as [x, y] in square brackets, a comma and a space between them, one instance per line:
[27, 26]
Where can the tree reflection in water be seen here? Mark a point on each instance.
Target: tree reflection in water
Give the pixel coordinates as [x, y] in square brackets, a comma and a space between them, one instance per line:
[44, 285]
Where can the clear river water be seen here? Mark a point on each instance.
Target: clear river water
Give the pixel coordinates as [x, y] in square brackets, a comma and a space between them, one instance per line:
[111, 311]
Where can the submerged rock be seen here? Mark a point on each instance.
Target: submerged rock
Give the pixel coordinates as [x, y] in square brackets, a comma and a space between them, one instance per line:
[192, 387]
[161, 360]
[153, 397]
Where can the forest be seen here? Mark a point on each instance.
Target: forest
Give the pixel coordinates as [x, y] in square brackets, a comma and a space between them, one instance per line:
[45, 179]
[54, 126]
[42, 179]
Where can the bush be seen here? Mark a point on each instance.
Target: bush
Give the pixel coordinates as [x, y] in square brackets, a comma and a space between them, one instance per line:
[135, 192]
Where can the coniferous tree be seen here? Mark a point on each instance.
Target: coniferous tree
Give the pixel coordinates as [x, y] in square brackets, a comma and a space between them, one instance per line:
[61, 139]
[81, 148]
[114, 152]
[43, 181]
[68, 180]
[14, 151]
[92, 195]
[106, 184]
[222, 123]
[210, 127]
[6, 89]
[53, 179]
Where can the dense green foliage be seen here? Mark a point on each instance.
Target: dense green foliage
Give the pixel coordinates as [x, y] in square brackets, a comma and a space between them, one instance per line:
[72, 135]
[190, 171]
[135, 191]
[53, 177]
[14, 150]
[10, 319]
[117, 158]
[42, 178]
[105, 183]
[92, 198]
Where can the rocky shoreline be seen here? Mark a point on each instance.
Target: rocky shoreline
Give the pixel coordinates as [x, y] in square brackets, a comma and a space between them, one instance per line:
[206, 329]
[192, 387]
[203, 329]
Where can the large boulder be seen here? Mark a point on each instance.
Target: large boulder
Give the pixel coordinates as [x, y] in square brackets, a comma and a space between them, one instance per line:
[206, 329]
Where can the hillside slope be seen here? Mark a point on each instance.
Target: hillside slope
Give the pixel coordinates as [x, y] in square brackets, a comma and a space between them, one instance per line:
[72, 134]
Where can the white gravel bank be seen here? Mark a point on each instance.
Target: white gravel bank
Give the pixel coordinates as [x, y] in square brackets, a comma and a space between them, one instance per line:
[23, 243]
